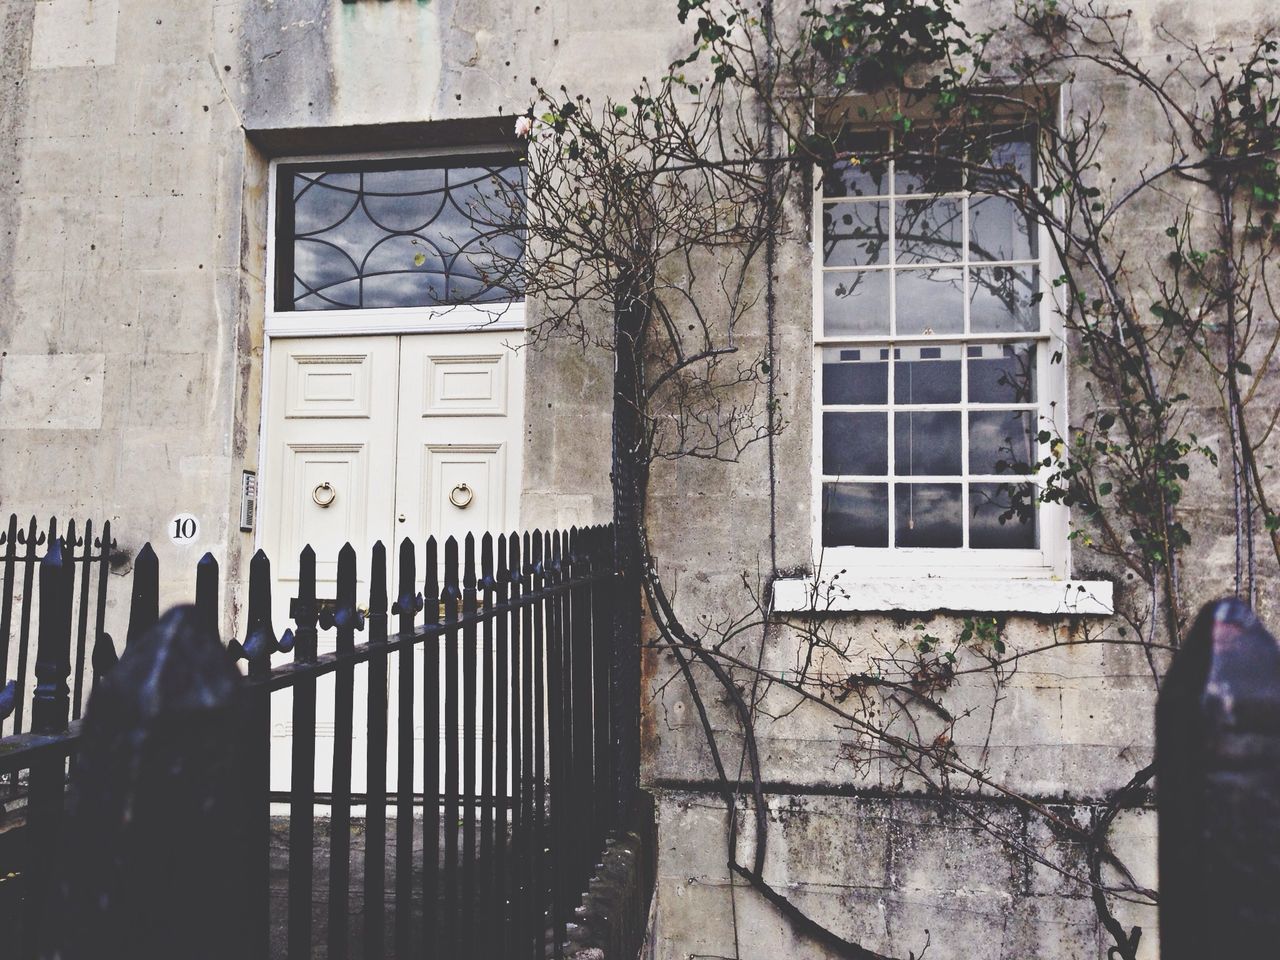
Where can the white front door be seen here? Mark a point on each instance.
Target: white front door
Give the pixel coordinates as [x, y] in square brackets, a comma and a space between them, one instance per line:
[381, 438]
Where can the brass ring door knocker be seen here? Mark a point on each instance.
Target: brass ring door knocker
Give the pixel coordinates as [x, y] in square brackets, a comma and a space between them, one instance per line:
[461, 496]
[324, 494]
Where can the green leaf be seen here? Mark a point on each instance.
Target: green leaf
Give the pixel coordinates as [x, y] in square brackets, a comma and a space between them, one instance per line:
[419, 259]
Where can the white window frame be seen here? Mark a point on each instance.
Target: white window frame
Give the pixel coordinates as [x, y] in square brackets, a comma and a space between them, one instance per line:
[960, 578]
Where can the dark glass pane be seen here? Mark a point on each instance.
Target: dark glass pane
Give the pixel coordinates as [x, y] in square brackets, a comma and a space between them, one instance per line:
[930, 300]
[1007, 161]
[857, 172]
[929, 231]
[855, 514]
[855, 444]
[404, 237]
[927, 164]
[855, 234]
[998, 230]
[405, 200]
[926, 443]
[1004, 299]
[855, 303]
[854, 376]
[1003, 516]
[1002, 373]
[323, 200]
[1001, 441]
[927, 515]
[927, 374]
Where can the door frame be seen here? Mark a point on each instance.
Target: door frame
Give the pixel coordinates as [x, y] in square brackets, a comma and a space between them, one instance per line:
[462, 318]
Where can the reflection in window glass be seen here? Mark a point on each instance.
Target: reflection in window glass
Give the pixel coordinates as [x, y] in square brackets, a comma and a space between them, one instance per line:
[1008, 162]
[856, 303]
[855, 234]
[856, 172]
[1002, 516]
[926, 443]
[1002, 372]
[1003, 299]
[923, 169]
[928, 515]
[929, 231]
[927, 374]
[929, 300]
[854, 376]
[419, 234]
[855, 514]
[999, 231]
[1001, 441]
[855, 444]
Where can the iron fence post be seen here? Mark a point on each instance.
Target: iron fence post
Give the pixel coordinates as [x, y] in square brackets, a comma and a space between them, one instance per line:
[1218, 777]
[157, 827]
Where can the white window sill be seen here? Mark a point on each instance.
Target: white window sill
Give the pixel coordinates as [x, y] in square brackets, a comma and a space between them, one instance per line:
[853, 593]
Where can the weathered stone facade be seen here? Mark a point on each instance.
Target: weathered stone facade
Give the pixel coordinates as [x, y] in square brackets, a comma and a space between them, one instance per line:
[136, 136]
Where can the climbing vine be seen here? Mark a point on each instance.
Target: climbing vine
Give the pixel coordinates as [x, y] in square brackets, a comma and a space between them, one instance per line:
[651, 221]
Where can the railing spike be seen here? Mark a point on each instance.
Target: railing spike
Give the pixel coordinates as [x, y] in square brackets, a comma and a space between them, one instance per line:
[144, 608]
[207, 593]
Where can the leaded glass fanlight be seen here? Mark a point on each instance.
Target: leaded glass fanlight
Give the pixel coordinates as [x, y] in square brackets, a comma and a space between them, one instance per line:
[399, 233]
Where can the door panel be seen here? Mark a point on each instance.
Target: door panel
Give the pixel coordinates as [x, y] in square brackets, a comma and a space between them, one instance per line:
[331, 422]
[329, 479]
[389, 427]
[461, 425]
[461, 400]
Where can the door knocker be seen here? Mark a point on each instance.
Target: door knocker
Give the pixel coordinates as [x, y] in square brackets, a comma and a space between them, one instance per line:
[324, 494]
[461, 496]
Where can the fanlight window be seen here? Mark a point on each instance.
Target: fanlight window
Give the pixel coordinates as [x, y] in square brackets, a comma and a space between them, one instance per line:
[402, 233]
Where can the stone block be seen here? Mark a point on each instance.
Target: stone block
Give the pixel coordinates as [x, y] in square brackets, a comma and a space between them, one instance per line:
[51, 392]
[74, 33]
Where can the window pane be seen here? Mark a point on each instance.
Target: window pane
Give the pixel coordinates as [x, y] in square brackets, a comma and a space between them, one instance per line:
[855, 303]
[1007, 161]
[854, 375]
[855, 514]
[1002, 372]
[410, 236]
[857, 173]
[926, 443]
[855, 234]
[927, 374]
[928, 165]
[411, 200]
[930, 300]
[1002, 299]
[1003, 516]
[855, 444]
[1001, 441]
[929, 231]
[927, 515]
[998, 230]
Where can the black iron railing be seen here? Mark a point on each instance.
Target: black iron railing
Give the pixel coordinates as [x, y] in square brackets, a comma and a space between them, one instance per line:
[520, 728]
[88, 557]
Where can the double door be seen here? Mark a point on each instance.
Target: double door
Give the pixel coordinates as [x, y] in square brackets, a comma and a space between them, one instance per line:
[381, 438]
